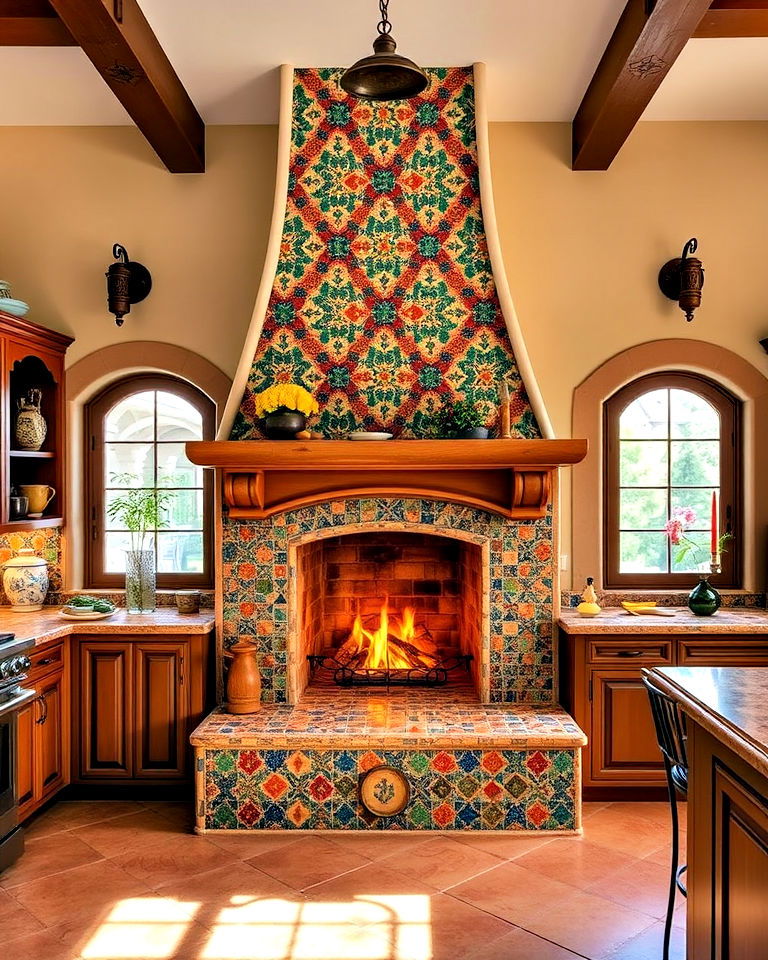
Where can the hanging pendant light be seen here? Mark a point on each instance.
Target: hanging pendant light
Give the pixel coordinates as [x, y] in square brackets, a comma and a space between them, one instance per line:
[385, 75]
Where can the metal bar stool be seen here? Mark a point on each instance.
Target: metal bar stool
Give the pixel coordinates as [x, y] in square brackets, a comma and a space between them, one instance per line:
[671, 735]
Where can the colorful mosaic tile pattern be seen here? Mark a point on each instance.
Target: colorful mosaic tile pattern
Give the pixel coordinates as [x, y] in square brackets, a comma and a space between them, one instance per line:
[255, 580]
[446, 717]
[384, 303]
[46, 543]
[449, 789]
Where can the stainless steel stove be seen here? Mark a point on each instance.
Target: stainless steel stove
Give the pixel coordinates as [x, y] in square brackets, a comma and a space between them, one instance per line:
[14, 665]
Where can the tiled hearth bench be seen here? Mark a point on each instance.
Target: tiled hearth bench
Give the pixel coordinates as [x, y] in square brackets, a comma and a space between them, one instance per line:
[469, 766]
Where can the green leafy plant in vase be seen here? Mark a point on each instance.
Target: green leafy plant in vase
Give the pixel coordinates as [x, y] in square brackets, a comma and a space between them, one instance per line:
[140, 511]
[461, 420]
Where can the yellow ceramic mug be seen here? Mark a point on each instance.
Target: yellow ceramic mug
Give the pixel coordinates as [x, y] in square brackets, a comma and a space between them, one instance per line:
[39, 495]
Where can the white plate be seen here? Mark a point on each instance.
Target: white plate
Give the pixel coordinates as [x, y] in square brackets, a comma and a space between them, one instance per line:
[365, 435]
[86, 616]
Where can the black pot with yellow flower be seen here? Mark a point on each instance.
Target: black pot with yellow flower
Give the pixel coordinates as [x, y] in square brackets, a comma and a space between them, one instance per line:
[283, 409]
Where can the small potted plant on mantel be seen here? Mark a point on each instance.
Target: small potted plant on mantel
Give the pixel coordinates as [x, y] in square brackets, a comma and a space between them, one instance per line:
[461, 420]
[284, 408]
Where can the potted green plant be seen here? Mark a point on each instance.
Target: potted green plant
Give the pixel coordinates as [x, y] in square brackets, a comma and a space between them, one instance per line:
[463, 420]
[139, 511]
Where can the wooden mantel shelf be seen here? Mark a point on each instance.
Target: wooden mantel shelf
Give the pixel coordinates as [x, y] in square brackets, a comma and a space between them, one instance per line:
[264, 477]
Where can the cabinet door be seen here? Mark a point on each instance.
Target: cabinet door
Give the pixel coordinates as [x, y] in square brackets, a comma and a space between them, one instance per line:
[106, 710]
[624, 748]
[25, 757]
[741, 868]
[49, 736]
[160, 746]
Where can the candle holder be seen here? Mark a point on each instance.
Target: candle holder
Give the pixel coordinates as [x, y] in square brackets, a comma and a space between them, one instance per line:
[704, 600]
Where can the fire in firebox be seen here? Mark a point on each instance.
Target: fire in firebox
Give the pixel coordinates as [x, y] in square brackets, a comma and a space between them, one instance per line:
[390, 643]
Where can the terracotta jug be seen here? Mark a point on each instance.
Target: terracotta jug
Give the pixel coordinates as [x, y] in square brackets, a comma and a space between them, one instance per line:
[243, 680]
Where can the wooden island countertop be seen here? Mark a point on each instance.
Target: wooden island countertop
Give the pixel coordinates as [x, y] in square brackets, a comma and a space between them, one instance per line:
[47, 624]
[726, 711]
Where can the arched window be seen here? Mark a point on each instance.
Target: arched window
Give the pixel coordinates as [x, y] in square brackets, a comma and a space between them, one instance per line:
[671, 439]
[135, 433]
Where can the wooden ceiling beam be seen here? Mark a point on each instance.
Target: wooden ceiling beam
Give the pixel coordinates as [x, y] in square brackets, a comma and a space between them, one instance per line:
[32, 23]
[117, 39]
[646, 42]
[735, 18]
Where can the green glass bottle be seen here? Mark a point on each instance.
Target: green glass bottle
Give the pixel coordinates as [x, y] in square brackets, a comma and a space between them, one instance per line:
[704, 600]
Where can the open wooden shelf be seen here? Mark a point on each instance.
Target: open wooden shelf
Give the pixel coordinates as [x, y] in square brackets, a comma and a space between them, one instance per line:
[510, 477]
[32, 358]
[30, 523]
[33, 454]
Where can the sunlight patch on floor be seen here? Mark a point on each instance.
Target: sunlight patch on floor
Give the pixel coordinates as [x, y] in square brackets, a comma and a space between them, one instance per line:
[367, 927]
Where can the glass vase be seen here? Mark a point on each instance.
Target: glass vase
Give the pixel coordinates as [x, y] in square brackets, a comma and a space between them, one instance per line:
[140, 581]
[704, 600]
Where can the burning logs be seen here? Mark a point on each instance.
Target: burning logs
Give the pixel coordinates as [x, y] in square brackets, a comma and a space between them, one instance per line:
[391, 643]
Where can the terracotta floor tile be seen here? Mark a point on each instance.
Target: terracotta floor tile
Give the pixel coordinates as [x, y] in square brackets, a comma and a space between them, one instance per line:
[379, 844]
[648, 945]
[521, 945]
[244, 844]
[458, 927]
[207, 894]
[618, 830]
[587, 925]
[47, 944]
[47, 856]
[643, 886]
[70, 814]
[657, 812]
[180, 813]
[165, 859]
[575, 861]
[505, 846]
[121, 836]
[512, 893]
[312, 860]
[88, 892]
[364, 891]
[590, 807]
[442, 863]
[663, 855]
[15, 919]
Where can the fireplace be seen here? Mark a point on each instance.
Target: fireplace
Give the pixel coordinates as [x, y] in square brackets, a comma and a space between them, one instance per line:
[390, 608]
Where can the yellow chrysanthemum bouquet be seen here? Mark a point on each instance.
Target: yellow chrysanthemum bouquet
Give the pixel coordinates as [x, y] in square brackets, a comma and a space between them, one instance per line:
[284, 408]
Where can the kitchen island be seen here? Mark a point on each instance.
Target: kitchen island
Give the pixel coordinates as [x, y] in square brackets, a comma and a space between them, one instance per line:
[727, 722]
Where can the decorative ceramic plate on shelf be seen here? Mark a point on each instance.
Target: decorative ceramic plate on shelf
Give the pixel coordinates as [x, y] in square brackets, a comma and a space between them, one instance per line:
[16, 308]
[384, 791]
[368, 435]
[90, 615]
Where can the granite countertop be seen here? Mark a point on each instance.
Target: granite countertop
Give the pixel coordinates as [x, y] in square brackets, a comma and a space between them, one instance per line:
[731, 703]
[46, 624]
[617, 620]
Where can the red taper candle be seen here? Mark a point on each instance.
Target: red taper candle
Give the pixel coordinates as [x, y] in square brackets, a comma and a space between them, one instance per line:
[714, 524]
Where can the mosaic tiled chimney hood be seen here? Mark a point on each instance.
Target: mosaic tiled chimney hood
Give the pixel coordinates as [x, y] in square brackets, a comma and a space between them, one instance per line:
[384, 294]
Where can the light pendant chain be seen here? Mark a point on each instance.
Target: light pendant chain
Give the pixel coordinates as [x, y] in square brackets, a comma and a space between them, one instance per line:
[384, 26]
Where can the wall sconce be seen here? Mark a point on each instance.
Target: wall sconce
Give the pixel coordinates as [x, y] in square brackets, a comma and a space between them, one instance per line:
[681, 279]
[127, 282]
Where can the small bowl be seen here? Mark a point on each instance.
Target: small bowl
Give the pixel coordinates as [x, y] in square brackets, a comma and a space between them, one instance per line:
[77, 611]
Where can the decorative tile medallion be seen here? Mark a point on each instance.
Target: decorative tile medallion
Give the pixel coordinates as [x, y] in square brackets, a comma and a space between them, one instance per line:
[384, 303]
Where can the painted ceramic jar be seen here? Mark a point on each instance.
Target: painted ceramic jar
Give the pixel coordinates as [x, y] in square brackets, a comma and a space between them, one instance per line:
[31, 427]
[25, 581]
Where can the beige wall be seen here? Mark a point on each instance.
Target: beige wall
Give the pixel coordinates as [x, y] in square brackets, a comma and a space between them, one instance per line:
[582, 249]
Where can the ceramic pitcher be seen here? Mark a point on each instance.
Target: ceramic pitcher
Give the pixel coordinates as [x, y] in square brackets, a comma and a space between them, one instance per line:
[31, 427]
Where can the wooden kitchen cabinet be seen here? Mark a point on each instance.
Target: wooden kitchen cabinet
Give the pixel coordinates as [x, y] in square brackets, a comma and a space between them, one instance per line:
[42, 757]
[601, 686]
[139, 698]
